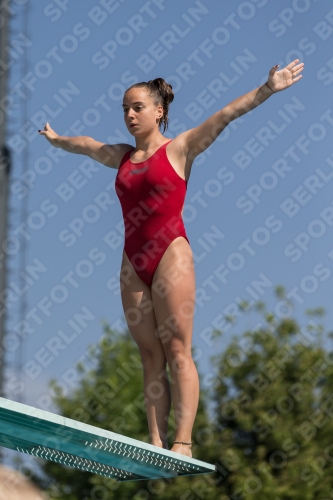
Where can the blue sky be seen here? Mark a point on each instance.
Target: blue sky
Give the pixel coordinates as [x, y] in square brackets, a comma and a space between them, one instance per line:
[263, 188]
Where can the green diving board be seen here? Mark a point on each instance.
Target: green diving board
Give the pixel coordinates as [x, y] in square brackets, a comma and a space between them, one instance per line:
[66, 441]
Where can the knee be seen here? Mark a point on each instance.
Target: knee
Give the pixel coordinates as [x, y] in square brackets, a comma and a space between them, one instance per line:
[179, 361]
[152, 360]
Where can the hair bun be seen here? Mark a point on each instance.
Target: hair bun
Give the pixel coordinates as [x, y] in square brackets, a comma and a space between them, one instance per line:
[164, 88]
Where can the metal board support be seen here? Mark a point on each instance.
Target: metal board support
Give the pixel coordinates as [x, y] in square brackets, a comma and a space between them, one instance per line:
[60, 439]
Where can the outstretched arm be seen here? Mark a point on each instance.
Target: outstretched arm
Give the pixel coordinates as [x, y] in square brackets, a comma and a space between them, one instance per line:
[103, 153]
[196, 140]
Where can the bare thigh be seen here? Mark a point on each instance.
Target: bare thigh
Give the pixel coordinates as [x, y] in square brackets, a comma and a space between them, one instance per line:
[140, 315]
[173, 294]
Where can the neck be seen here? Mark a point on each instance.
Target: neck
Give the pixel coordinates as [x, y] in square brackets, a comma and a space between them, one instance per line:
[149, 142]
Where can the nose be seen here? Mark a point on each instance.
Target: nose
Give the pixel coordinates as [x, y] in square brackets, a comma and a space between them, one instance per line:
[130, 113]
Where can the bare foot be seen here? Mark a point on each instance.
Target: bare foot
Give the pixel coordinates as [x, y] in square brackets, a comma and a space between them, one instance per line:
[161, 444]
[183, 449]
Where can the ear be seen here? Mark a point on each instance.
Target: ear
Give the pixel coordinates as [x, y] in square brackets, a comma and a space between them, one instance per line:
[160, 111]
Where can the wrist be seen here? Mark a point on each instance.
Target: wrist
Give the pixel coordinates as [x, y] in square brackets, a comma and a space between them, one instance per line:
[273, 91]
[56, 141]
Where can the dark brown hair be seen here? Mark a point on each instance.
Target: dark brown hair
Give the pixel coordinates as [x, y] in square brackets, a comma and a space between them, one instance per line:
[162, 95]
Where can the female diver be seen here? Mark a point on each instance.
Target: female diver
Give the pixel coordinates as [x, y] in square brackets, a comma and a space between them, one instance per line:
[157, 264]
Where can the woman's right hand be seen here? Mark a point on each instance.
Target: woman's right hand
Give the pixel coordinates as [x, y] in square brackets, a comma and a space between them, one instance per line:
[50, 134]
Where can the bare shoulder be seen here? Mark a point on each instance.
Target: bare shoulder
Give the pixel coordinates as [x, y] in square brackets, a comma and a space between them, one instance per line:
[178, 146]
[119, 151]
[109, 155]
[178, 156]
[182, 147]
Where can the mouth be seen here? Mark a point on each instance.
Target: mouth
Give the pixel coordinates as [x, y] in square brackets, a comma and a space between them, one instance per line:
[134, 125]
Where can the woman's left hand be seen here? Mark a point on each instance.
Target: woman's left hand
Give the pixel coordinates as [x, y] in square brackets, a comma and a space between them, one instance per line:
[284, 78]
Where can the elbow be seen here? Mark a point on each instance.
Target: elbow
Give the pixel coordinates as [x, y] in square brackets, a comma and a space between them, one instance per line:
[228, 115]
[83, 146]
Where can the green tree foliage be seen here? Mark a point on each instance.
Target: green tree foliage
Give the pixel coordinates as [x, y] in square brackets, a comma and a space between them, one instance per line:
[274, 406]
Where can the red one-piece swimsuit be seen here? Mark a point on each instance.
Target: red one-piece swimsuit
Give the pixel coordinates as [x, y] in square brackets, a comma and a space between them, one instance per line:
[152, 195]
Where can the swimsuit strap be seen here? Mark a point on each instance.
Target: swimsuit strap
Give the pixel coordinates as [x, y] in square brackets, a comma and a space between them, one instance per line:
[165, 145]
[124, 159]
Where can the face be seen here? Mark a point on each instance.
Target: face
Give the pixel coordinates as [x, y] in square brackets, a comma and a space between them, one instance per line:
[140, 114]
